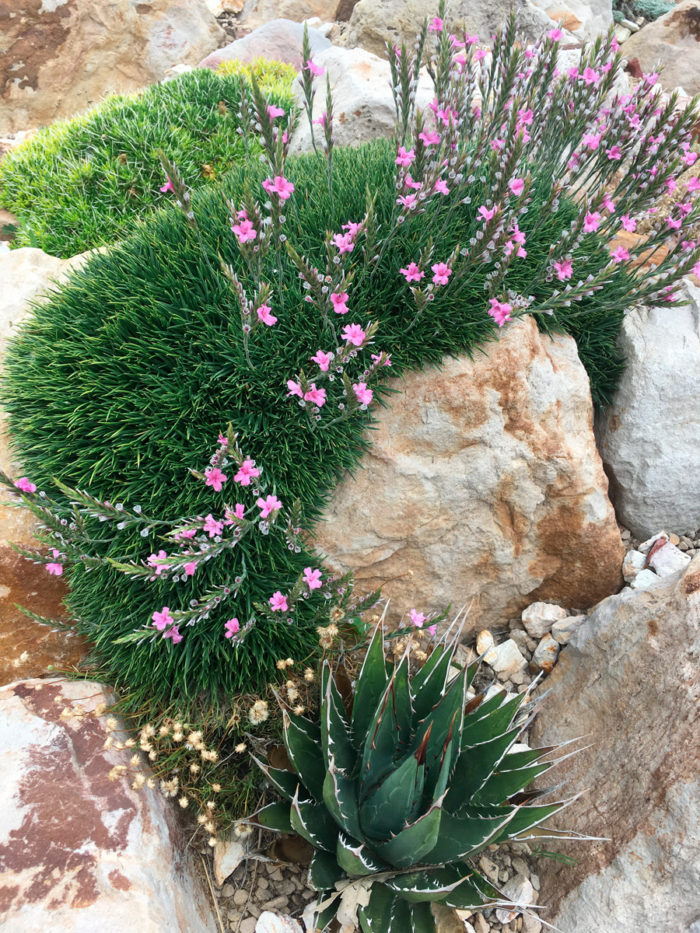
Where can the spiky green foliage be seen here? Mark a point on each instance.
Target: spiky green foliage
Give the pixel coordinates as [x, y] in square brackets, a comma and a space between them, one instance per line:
[401, 785]
[82, 183]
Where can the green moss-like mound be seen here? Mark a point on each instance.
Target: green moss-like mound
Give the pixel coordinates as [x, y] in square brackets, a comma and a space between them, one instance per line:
[81, 183]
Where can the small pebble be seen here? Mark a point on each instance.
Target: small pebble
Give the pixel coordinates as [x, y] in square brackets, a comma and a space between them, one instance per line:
[240, 897]
[480, 924]
[227, 890]
[248, 925]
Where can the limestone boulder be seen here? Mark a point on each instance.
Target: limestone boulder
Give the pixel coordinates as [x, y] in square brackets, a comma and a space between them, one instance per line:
[373, 23]
[26, 647]
[258, 12]
[483, 487]
[672, 43]
[650, 436]
[58, 57]
[80, 850]
[280, 39]
[363, 105]
[628, 680]
[586, 19]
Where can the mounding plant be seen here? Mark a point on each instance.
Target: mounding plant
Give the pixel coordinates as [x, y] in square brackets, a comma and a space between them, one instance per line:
[279, 301]
[401, 785]
[83, 182]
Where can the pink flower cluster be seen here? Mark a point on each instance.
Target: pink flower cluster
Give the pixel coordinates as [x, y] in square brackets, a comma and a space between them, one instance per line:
[164, 622]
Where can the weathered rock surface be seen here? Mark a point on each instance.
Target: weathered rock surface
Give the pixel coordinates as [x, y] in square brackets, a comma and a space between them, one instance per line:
[79, 851]
[60, 56]
[483, 483]
[280, 39]
[375, 22]
[629, 680]
[586, 19]
[258, 12]
[672, 42]
[649, 436]
[363, 106]
[27, 648]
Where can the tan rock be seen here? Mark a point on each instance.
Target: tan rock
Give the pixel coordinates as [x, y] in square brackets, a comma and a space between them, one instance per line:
[545, 654]
[539, 618]
[257, 12]
[629, 682]
[280, 39]
[60, 56]
[672, 42]
[483, 487]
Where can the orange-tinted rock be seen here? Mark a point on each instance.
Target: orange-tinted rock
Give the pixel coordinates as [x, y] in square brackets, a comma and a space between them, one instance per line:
[672, 42]
[483, 486]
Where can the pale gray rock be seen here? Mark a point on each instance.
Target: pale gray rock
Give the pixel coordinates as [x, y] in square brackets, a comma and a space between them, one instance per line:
[269, 922]
[586, 19]
[228, 855]
[563, 630]
[506, 659]
[521, 892]
[649, 436]
[539, 618]
[545, 654]
[632, 564]
[644, 579]
[280, 39]
[630, 682]
[258, 12]
[668, 560]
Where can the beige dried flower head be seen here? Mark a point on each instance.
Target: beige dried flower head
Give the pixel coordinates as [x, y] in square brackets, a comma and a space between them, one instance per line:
[327, 635]
[135, 760]
[108, 743]
[309, 675]
[116, 772]
[421, 655]
[177, 726]
[148, 731]
[178, 737]
[163, 731]
[216, 788]
[242, 830]
[209, 826]
[240, 748]
[337, 614]
[66, 713]
[195, 740]
[281, 664]
[130, 743]
[151, 783]
[195, 768]
[299, 709]
[139, 781]
[111, 724]
[258, 712]
[100, 709]
[152, 755]
[211, 804]
[289, 662]
[184, 802]
[209, 754]
[211, 841]
[201, 818]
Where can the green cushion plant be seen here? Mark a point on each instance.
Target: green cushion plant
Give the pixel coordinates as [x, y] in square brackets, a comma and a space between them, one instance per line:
[82, 183]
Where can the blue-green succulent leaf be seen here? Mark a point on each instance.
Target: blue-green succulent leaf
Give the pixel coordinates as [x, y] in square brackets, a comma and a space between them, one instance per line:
[313, 822]
[324, 870]
[409, 846]
[284, 782]
[430, 884]
[421, 919]
[340, 796]
[460, 837]
[475, 766]
[336, 737]
[490, 719]
[303, 746]
[503, 784]
[370, 686]
[355, 858]
[387, 808]
[276, 816]
[374, 918]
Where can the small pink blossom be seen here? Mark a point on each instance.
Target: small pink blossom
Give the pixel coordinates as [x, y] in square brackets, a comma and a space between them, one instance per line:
[591, 221]
[279, 186]
[173, 633]
[442, 273]
[162, 619]
[590, 76]
[245, 231]
[363, 394]
[246, 472]
[412, 272]
[315, 396]
[430, 138]
[24, 485]
[214, 477]
[500, 311]
[231, 627]
[264, 313]
[517, 186]
[614, 153]
[315, 69]
[407, 200]
[410, 183]
[436, 24]
[231, 516]
[608, 203]
[674, 223]
[168, 186]
[275, 111]
[441, 186]
[338, 300]
[431, 629]
[55, 569]
[497, 144]
[323, 360]
[156, 560]
[190, 568]
[267, 505]
[480, 54]
[556, 35]
[294, 388]
[344, 242]
[312, 578]
[405, 157]
[486, 213]
[696, 269]
[417, 618]
[693, 184]
[671, 185]
[376, 357]
[321, 121]
[212, 526]
[525, 117]
[278, 602]
[620, 254]
[353, 333]
[629, 223]
[564, 269]
[591, 140]
[690, 158]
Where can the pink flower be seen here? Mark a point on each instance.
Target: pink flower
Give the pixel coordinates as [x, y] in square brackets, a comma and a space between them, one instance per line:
[364, 395]
[323, 360]
[156, 560]
[674, 223]
[525, 117]
[430, 139]
[590, 76]
[405, 157]
[212, 527]
[608, 203]
[236, 514]
[246, 472]
[556, 35]
[441, 186]
[629, 223]
[168, 186]
[55, 569]
[497, 144]
[55, 552]
[244, 231]
[376, 357]
[693, 184]
[265, 315]
[436, 24]
[412, 272]
[620, 254]
[190, 568]
[24, 484]
[417, 618]
[231, 627]
[591, 222]
[696, 269]
[321, 121]
[480, 54]
[275, 111]
[408, 200]
[173, 633]
[442, 273]
[162, 619]
[344, 242]
[671, 185]
[564, 269]
[410, 183]
[500, 311]
[690, 158]
[614, 153]
[353, 333]
[591, 140]
[279, 186]
[312, 578]
[187, 533]
[315, 69]
[315, 396]
[352, 228]
[267, 505]
[431, 629]
[517, 186]
[278, 602]
[294, 388]
[215, 478]
[487, 214]
[338, 300]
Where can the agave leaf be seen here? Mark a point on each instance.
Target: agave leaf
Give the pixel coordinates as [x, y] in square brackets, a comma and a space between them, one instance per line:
[489, 720]
[450, 755]
[324, 871]
[460, 837]
[415, 841]
[374, 917]
[429, 885]
[335, 729]
[371, 683]
[444, 720]
[340, 797]
[428, 684]
[473, 892]
[526, 818]
[503, 784]
[313, 822]
[386, 810]
[421, 919]
[284, 782]
[474, 767]
[515, 760]
[276, 816]
[356, 858]
[384, 735]
[304, 753]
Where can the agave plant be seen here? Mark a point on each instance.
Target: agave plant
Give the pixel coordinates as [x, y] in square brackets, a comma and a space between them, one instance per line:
[400, 786]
